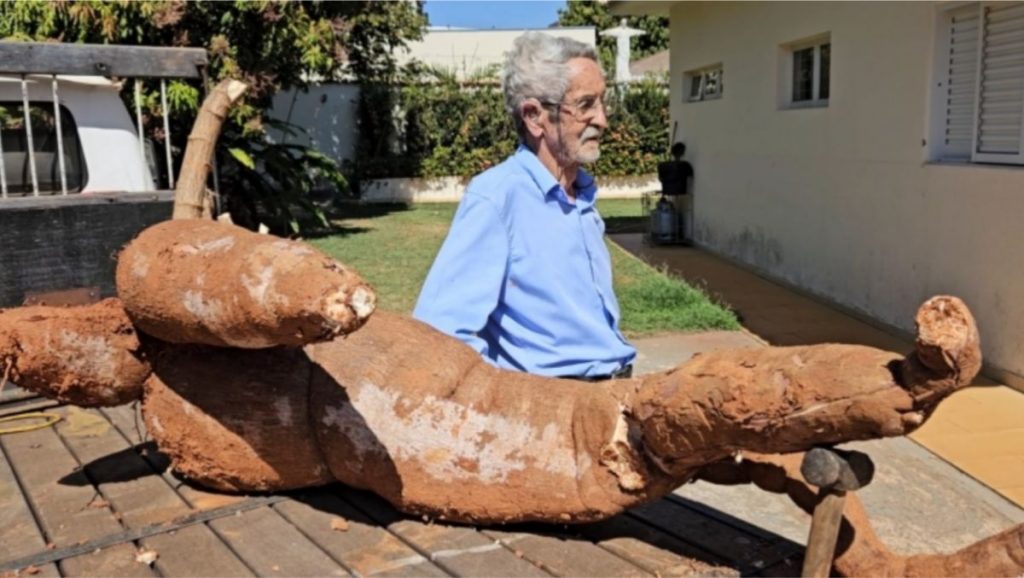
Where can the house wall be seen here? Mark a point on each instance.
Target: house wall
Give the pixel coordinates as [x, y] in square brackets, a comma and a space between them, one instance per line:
[843, 201]
[324, 118]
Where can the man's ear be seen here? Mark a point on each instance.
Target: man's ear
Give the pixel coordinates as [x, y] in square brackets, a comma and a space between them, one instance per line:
[533, 114]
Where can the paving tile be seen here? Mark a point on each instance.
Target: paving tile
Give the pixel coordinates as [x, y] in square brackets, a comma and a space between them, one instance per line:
[997, 472]
[999, 395]
[973, 446]
[989, 415]
[936, 428]
[1015, 494]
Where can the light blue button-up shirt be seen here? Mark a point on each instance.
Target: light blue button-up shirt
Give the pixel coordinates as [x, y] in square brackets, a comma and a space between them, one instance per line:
[524, 276]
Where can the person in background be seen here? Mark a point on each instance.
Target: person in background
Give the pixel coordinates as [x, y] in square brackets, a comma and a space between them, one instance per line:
[524, 276]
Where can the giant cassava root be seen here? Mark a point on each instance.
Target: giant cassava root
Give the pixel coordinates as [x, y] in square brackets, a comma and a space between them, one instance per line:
[190, 281]
[417, 417]
[88, 356]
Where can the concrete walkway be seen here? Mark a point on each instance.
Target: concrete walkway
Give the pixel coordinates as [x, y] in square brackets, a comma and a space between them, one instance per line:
[918, 501]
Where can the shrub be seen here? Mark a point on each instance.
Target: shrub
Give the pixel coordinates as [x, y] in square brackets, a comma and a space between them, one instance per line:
[439, 126]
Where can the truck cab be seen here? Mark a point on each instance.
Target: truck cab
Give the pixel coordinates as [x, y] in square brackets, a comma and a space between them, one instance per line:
[102, 152]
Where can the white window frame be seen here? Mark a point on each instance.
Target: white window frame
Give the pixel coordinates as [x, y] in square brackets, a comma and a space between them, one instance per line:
[939, 150]
[786, 53]
[698, 78]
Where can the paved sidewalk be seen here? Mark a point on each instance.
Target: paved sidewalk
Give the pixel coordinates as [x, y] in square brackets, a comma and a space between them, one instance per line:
[918, 502]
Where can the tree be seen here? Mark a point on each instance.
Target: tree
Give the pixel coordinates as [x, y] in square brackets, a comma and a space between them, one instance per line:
[271, 45]
[593, 13]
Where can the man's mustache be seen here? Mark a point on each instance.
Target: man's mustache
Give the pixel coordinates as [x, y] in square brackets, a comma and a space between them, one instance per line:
[591, 132]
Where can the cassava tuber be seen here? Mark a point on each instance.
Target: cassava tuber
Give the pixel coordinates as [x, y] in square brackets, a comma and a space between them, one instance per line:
[420, 419]
[88, 356]
[190, 281]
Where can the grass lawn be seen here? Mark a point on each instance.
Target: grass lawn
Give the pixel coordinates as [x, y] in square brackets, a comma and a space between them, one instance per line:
[393, 246]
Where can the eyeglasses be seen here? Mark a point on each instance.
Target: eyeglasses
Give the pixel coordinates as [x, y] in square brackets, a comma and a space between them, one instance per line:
[584, 108]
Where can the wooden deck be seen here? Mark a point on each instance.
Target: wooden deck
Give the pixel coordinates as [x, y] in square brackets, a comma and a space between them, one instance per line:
[84, 497]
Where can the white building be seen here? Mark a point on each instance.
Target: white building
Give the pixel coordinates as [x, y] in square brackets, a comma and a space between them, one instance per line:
[465, 51]
[868, 153]
[327, 112]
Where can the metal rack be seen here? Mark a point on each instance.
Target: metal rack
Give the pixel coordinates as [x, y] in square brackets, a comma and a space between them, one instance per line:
[137, 62]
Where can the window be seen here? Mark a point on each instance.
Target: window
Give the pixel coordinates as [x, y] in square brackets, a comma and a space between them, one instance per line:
[806, 73]
[704, 83]
[14, 139]
[981, 84]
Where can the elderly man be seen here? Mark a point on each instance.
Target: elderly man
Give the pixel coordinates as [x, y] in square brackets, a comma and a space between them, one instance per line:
[524, 276]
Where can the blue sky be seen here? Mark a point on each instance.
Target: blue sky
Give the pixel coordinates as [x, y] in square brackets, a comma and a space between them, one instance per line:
[493, 14]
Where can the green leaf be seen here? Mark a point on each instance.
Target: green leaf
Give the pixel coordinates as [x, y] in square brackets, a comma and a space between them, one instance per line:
[242, 157]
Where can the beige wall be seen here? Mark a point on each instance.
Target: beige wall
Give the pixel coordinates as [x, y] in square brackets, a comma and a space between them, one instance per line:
[842, 200]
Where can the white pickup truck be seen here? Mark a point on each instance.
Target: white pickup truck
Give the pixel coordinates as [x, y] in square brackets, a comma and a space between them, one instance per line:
[76, 185]
[100, 142]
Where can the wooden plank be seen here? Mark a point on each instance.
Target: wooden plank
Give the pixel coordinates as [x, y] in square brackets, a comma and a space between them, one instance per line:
[458, 550]
[65, 297]
[58, 490]
[141, 497]
[654, 550]
[273, 547]
[61, 494]
[693, 503]
[11, 392]
[126, 481]
[364, 547]
[128, 421]
[117, 560]
[195, 551]
[28, 403]
[748, 552]
[44, 571]
[101, 60]
[565, 555]
[108, 198]
[19, 534]
[104, 199]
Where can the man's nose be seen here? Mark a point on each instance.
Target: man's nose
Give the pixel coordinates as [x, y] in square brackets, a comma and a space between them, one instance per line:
[600, 119]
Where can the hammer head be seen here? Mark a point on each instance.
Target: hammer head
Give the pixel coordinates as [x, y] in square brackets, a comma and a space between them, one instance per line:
[839, 470]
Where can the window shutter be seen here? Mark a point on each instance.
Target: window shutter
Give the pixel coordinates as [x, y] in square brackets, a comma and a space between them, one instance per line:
[961, 83]
[1001, 86]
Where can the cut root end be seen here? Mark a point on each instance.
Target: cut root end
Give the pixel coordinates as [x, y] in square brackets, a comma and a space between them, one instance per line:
[948, 351]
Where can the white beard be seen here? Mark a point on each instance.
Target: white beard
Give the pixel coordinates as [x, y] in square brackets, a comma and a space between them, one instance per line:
[588, 156]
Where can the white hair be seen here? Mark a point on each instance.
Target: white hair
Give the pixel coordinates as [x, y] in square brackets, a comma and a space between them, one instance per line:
[537, 67]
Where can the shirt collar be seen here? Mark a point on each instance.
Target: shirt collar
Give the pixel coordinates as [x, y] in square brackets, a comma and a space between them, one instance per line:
[586, 188]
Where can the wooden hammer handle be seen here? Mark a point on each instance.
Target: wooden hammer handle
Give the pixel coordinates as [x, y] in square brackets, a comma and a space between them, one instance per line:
[821, 544]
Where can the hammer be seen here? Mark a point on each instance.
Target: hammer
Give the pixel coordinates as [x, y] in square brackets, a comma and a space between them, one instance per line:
[834, 472]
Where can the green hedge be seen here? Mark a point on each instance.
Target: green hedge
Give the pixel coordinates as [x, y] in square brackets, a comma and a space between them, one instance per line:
[447, 128]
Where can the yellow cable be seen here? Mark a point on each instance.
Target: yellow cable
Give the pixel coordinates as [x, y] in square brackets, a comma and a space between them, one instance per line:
[50, 419]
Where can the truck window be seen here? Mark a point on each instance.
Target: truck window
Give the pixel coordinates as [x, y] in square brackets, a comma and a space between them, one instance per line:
[14, 139]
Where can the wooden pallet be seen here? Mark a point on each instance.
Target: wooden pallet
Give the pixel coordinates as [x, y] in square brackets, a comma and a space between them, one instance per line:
[84, 497]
